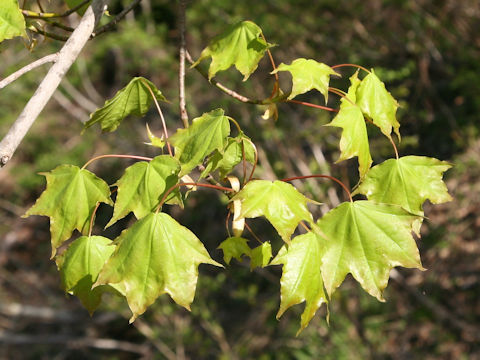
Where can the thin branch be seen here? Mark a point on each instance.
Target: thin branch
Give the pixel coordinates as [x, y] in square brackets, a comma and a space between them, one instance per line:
[49, 84]
[312, 105]
[116, 156]
[116, 19]
[351, 65]
[11, 78]
[42, 15]
[48, 34]
[181, 69]
[325, 177]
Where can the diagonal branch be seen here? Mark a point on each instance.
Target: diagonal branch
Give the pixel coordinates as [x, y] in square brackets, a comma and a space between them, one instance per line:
[181, 70]
[66, 57]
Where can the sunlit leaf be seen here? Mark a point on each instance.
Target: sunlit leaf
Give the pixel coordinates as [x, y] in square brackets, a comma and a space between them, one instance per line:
[378, 104]
[206, 134]
[142, 186]
[301, 277]
[69, 200]
[261, 255]
[134, 99]
[407, 182]
[234, 247]
[367, 240]
[278, 201]
[354, 140]
[79, 268]
[12, 22]
[308, 74]
[241, 45]
[155, 256]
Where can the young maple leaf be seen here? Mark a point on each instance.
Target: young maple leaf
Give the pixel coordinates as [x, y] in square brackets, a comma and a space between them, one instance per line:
[69, 200]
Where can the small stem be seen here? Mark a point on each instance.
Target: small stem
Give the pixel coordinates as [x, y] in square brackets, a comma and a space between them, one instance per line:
[351, 65]
[119, 17]
[237, 125]
[256, 158]
[165, 132]
[226, 224]
[244, 163]
[342, 94]
[92, 218]
[116, 156]
[51, 35]
[322, 176]
[181, 69]
[274, 67]
[253, 234]
[42, 15]
[60, 25]
[304, 226]
[164, 197]
[394, 146]
[312, 105]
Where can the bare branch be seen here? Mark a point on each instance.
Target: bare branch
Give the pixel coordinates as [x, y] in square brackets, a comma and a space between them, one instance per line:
[11, 78]
[67, 55]
[42, 15]
[181, 70]
[114, 22]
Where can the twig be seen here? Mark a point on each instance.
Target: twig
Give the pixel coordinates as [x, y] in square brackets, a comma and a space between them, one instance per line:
[49, 84]
[42, 15]
[11, 78]
[181, 69]
[48, 34]
[114, 22]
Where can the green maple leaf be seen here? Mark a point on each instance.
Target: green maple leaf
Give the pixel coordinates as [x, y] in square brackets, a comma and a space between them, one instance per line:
[234, 247]
[69, 200]
[142, 186]
[354, 140]
[12, 22]
[232, 156]
[80, 265]
[278, 201]
[408, 182]
[308, 74]
[301, 277]
[155, 256]
[241, 45]
[261, 255]
[133, 99]
[366, 239]
[378, 104]
[206, 134]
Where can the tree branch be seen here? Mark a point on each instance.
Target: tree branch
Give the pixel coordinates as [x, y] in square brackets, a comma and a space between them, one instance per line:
[66, 57]
[11, 78]
[114, 22]
[181, 70]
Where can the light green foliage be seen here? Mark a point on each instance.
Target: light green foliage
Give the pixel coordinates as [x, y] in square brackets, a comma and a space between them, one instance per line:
[231, 156]
[133, 99]
[155, 256]
[367, 240]
[241, 45]
[378, 104]
[261, 255]
[69, 200]
[354, 140]
[12, 22]
[407, 182]
[80, 265]
[234, 247]
[301, 278]
[278, 201]
[206, 134]
[308, 74]
[142, 185]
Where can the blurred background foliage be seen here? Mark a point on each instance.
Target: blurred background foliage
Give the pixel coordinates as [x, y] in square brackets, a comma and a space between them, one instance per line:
[427, 52]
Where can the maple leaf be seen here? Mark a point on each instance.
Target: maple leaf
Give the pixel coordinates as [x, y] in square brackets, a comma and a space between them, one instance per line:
[234, 247]
[408, 181]
[232, 155]
[156, 255]
[378, 104]
[261, 255]
[366, 239]
[241, 45]
[206, 134]
[142, 186]
[69, 200]
[12, 22]
[80, 265]
[308, 74]
[354, 140]
[278, 201]
[133, 99]
[301, 277]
